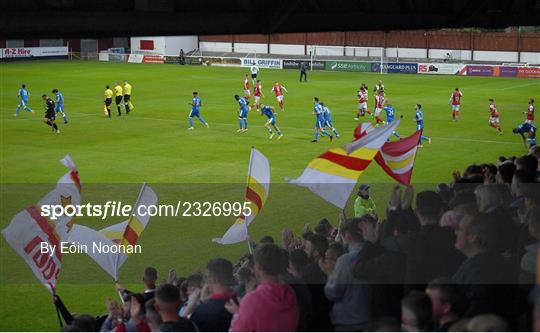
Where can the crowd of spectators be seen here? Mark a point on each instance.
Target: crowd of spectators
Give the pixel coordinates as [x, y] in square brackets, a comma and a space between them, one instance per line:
[460, 257]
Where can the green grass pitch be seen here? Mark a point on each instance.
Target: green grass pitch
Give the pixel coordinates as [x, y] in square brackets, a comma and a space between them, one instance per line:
[153, 145]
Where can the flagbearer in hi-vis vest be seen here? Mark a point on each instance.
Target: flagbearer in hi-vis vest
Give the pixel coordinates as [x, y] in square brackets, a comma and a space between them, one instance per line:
[364, 204]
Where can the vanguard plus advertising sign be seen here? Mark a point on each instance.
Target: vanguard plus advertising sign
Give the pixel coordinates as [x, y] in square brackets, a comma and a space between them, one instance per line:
[395, 67]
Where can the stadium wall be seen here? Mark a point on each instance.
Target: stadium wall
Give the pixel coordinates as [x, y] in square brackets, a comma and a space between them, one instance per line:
[462, 45]
[462, 55]
[407, 53]
[392, 52]
[215, 46]
[502, 56]
[287, 49]
[530, 57]
[250, 48]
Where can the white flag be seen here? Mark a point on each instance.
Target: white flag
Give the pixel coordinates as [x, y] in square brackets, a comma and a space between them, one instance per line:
[110, 262]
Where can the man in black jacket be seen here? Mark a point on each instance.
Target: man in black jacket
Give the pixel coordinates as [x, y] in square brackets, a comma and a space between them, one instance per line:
[149, 279]
[382, 268]
[167, 305]
[211, 315]
[430, 251]
[485, 275]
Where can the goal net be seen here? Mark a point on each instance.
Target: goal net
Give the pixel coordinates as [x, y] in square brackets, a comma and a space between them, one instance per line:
[348, 53]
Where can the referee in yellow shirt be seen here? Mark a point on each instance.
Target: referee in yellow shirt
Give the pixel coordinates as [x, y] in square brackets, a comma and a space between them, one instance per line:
[118, 93]
[127, 97]
[108, 100]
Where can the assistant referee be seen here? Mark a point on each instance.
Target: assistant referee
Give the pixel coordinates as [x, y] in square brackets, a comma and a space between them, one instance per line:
[127, 97]
[108, 101]
[118, 93]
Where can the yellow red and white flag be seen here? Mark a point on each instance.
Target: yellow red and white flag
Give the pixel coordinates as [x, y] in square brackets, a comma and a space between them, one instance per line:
[333, 174]
[258, 187]
[125, 233]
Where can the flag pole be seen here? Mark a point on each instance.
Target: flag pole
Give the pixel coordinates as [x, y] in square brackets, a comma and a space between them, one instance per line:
[56, 308]
[58, 315]
[115, 281]
[247, 187]
[129, 219]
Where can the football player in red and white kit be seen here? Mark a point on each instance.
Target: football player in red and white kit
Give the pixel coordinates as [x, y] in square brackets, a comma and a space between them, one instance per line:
[494, 116]
[455, 101]
[379, 104]
[362, 103]
[257, 94]
[278, 91]
[366, 89]
[247, 93]
[530, 112]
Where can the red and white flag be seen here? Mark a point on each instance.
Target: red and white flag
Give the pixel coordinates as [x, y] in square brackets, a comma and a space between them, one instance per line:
[396, 158]
[37, 238]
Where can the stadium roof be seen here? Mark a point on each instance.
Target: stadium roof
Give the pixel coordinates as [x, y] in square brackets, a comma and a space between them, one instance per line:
[97, 18]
